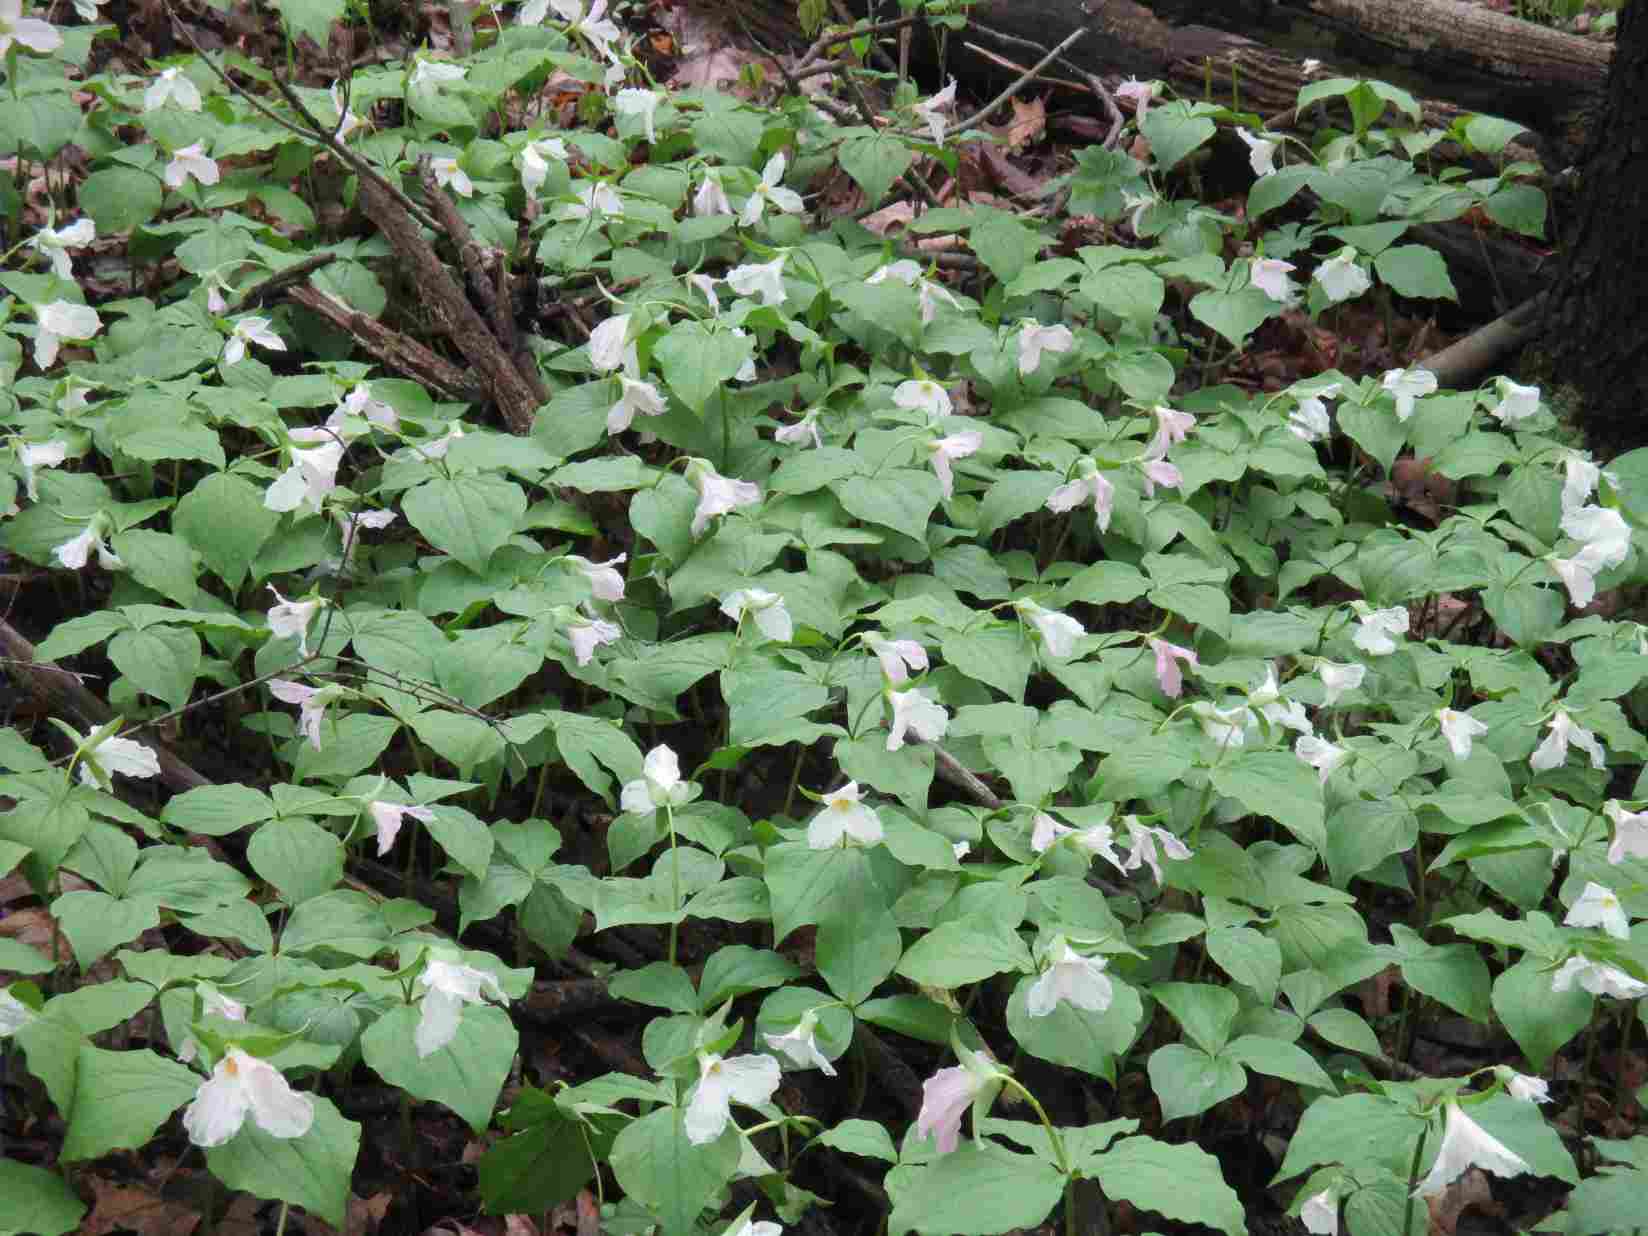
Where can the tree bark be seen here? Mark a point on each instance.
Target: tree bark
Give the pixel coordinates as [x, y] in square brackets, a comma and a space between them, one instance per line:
[1597, 325]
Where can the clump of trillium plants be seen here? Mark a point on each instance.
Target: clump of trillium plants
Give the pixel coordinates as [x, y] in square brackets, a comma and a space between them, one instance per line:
[969, 676]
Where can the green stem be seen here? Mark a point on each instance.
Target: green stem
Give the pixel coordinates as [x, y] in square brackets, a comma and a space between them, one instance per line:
[1623, 1093]
[1058, 1149]
[1413, 1179]
[675, 882]
[1585, 1078]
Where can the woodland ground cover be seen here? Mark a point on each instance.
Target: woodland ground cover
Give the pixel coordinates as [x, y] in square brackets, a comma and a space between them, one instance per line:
[946, 728]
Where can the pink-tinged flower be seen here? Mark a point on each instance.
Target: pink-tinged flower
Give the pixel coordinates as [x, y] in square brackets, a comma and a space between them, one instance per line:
[241, 1086]
[1310, 419]
[895, 654]
[941, 452]
[1340, 276]
[633, 101]
[1168, 657]
[54, 246]
[1159, 472]
[58, 320]
[1059, 632]
[844, 817]
[1270, 276]
[802, 431]
[1337, 679]
[313, 474]
[33, 456]
[749, 1080]
[764, 280]
[1597, 906]
[1516, 403]
[1630, 833]
[1034, 339]
[915, 710]
[925, 396]
[1261, 152]
[311, 702]
[1070, 978]
[1553, 752]
[289, 618]
[1171, 429]
[1459, 729]
[711, 198]
[1320, 754]
[635, 398]
[929, 109]
[31, 32]
[1320, 1213]
[587, 634]
[1089, 486]
[250, 330]
[1598, 979]
[387, 819]
[171, 87]
[1406, 385]
[770, 191]
[717, 495]
[767, 609]
[1466, 1144]
[1377, 629]
[191, 162]
[449, 985]
[1522, 1087]
[606, 582]
[1145, 841]
[75, 552]
[800, 1047]
[1137, 93]
[947, 1094]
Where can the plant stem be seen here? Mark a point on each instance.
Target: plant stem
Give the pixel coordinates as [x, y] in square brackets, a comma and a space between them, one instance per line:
[1585, 1079]
[1413, 1179]
[675, 882]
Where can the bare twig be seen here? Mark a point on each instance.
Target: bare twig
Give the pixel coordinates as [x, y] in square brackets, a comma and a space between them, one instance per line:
[287, 276]
[1024, 79]
[1112, 113]
[957, 774]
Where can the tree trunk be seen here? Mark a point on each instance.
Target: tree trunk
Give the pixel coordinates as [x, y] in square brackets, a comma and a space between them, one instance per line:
[1597, 327]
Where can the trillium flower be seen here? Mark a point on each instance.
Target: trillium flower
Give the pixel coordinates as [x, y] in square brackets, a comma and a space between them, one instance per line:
[14, 1014]
[1310, 420]
[1034, 339]
[1553, 752]
[191, 162]
[1598, 979]
[250, 330]
[1341, 278]
[33, 456]
[800, 1045]
[1599, 907]
[348, 122]
[942, 452]
[1168, 656]
[1270, 276]
[1094, 841]
[928, 291]
[1227, 727]
[610, 346]
[706, 285]
[711, 198]
[760, 279]
[1406, 385]
[213, 1003]
[593, 25]
[1059, 632]
[635, 398]
[1171, 429]
[717, 494]
[1376, 629]
[660, 784]
[1516, 403]
[311, 702]
[606, 582]
[1578, 575]
[435, 73]
[1522, 1087]
[1089, 486]
[1159, 472]
[802, 431]
[1267, 699]
[915, 710]
[312, 474]
[1320, 1213]
[925, 396]
[767, 608]
[1069, 978]
[746, 371]
[171, 87]
[1580, 477]
[54, 246]
[1320, 754]
[97, 765]
[1137, 93]
[750, 1227]
[633, 101]
[242, 1085]
[895, 654]
[449, 985]
[1603, 532]
[1630, 833]
[770, 191]
[58, 320]
[360, 404]
[388, 817]
[1459, 729]
[31, 32]
[1261, 152]
[289, 618]
[929, 109]
[844, 817]
[1137, 205]
[75, 552]
[448, 175]
[535, 157]
[1145, 840]
[594, 200]
[1466, 1144]
[749, 1080]
[587, 634]
[947, 1094]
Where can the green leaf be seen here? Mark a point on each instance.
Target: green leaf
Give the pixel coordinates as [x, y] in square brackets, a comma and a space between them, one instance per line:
[1173, 132]
[224, 520]
[1188, 1081]
[466, 516]
[858, 942]
[1205, 1012]
[698, 362]
[737, 970]
[1278, 1058]
[907, 773]
[976, 1188]
[657, 1166]
[96, 923]
[1346, 1029]
[162, 661]
[1005, 245]
[1279, 785]
[999, 656]
[1455, 974]
[1541, 1021]
[1250, 957]
[865, 1138]
[1234, 315]
[1417, 271]
[898, 498]
[658, 984]
[964, 951]
[875, 163]
[158, 560]
[121, 1098]
[466, 1075]
[1356, 1129]
[542, 1165]
[1182, 1182]
[1077, 1038]
[120, 198]
[298, 857]
[39, 1201]
[311, 1171]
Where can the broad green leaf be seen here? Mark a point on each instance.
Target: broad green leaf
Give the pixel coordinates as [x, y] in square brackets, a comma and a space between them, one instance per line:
[466, 516]
[121, 1098]
[1182, 1182]
[312, 1171]
[659, 1167]
[224, 520]
[466, 1074]
[976, 1188]
[40, 1201]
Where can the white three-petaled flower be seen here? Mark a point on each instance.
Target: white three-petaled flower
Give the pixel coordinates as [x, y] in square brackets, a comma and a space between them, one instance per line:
[54, 246]
[313, 473]
[1466, 1144]
[1309, 419]
[764, 280]
[1168, 675]
[633, 101]
[1320, 1213]
[1069, 978]
[1337, 679]
[895, 654]
[929, 109]
[191, 162]
[1261, 152]
[717, 494]
[289, 618]
[587, 634]
[1598, 979]
[749, 1080]
[1059, 631]
[941, 452]
[802, 431]
[388, 817]
[1377, 628]
[448, 175]
[1034, 339]
[31, 32]
[844, 817]
[242, 1085]
[75, 552]
[1553, 752]
[766, 608]
[635, 397]
[1089, 486]
[96, 765]
[535, 157]
[1630, 833]
[1407, 385]
[1516, 402]
[1095, 841]
[925, 396]
[311, 702]
[1270, 276]
[770, 190]
[800, 1045]
[33, 456]
[171, 87]
[1597, 906]
[710, 198]
[58, 320]
[606, 582]
[1459, 729]
[1145, 840]
[449, 984]
[660, 784]
[947, 1094]
[1340, 276]
[610, 346]
[250, 330]
[917, 711]
[1320, 754]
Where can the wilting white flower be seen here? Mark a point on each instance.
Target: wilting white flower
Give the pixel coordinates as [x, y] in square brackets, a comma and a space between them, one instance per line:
[1459, 729]
[311, 702]
[1270, 276]
[767, 608]
[75, 552]
[895, 654]
[1310, 420]
[1341, 278]
[761, 279]
[660, 784]
[1630, 833]
[800, 1046]
[1406, 385]
[1143, 853]
[1168, 676]
[435, 73]
[941, 452]
[929, 109]
[1599, 907]
[1553, 752]
[803, 430]
[33, 456]
[289, 618]
[1089, 486]
[1466, 1144]
[844, 816]
[449, 984]
[1320, 754]
[1376, 629]
[1070, 978]
[717, 494]
[58, 320]
[770, 190]
[1598, 979]
[388, 817]
[1261, 152]
[97, 765]
[610, 346]
[1059, 632]
[587, 634]
[171, 87]
[242, 1085]
[594, 199]
[191, 161]
[711, 198]
[448, 175]
[606, 582]
[1137, 93]
[925, 396]
[1227, 727]
[948, 1093]
[31, 32]
[749, 1080]
[54, 246]
[1320, 1214]
[312, 474]
[1516, 403]
[633, 101]
[1523, 1087]
[635, 398]
[250, 330]
[1034, 339]
[535, 157]
[915, 710]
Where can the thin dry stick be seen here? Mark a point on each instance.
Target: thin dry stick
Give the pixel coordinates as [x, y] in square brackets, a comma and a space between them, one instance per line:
[1113, 113]
[1024, 80]
[959, 775]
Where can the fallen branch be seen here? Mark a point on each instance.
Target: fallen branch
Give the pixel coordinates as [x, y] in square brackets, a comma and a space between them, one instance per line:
[399, 352]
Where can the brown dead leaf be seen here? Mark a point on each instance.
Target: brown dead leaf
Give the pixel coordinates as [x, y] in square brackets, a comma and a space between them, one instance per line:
[32, 927]
[129, 1208]
[519, 1225]
[1470, 1190]
[1028, 124]
[1375, 993]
